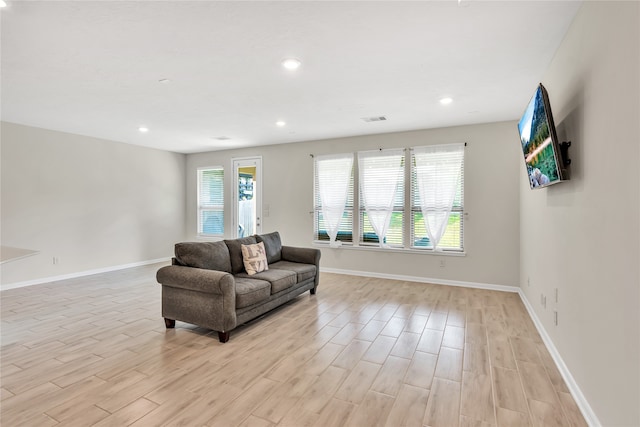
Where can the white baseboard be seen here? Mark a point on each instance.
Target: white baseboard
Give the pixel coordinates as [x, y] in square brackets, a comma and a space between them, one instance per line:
[581, 401]
[80, 274]
[423, 279]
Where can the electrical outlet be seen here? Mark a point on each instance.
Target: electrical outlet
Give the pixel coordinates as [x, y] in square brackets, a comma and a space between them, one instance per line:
[442, 263]
[555, 318]
[56, 260]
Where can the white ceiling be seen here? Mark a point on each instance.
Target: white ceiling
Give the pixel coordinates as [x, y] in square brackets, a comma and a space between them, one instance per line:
[93, 68]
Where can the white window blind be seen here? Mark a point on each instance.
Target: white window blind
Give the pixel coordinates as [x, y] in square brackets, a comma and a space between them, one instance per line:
[381, 177]
[211, 201]
[437, 196]
[333, 195]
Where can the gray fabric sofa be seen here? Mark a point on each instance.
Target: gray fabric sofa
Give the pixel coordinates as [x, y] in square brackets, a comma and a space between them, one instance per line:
[207, 284]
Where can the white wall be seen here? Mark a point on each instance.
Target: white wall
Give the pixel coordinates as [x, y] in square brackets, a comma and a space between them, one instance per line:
[582, 237]
[491, 199]
[92, 203]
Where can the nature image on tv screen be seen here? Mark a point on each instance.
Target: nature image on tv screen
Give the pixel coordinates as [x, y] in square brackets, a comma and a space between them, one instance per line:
[537, 144]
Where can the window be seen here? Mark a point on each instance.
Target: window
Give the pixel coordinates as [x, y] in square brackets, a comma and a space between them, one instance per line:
[211, 201]
[411, 208]
[333, 198]
[437, 183]
[381, 177]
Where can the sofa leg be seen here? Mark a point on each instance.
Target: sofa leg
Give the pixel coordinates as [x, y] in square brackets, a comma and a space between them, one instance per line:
[169, 323]
[313, 291]
[223, 337]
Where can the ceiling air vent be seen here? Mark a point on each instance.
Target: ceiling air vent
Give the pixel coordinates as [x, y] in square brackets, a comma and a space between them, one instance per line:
[374, 119]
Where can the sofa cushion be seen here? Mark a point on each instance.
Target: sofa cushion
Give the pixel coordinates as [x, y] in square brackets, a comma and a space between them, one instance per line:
[303, 271]
[272, 245]
[235, 252]
[208, 255]
[254, 258]
[279, 279]
[251, 291]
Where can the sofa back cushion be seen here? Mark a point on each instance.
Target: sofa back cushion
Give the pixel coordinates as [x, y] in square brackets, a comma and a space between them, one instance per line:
[208, 255]
[235, 252]
[272, 245]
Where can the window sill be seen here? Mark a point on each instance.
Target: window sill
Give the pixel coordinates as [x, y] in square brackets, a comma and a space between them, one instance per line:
[351, 247]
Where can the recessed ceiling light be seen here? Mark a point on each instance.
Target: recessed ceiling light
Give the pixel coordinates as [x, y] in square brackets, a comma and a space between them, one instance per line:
[445, 101]
[291, 63]
[3, 3]
[164, 81]
[143, 129]
[280, 123]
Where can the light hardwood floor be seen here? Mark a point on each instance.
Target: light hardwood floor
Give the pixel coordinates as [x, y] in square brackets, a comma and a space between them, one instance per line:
[362, 352]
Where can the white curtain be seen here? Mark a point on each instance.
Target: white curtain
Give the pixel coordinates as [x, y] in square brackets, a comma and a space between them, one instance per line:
[334, 174]
[437, 169]
[381, 173]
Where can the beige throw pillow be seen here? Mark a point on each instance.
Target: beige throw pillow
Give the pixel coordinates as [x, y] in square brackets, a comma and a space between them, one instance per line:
[254, 258]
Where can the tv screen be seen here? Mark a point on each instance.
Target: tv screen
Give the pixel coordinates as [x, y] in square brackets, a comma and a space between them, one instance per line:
[540, 145]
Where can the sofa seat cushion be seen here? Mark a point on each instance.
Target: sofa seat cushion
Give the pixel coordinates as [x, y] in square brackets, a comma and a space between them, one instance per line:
[251, 291]
[303, 271]
[279, 279]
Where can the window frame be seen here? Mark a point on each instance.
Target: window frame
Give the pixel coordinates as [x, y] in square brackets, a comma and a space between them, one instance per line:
[409, 209]
[213, 207]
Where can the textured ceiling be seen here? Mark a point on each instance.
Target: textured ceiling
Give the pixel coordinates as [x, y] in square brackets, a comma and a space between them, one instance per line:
[94, 68]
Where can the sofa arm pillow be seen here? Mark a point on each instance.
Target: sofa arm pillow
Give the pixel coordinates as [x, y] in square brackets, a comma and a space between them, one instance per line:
[196, 279]
[302, 255]
[207, 255]
[254, 258]
[272, 246]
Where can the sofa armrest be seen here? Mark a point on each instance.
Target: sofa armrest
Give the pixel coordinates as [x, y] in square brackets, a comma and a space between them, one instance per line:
[301, 255]
[196, 279]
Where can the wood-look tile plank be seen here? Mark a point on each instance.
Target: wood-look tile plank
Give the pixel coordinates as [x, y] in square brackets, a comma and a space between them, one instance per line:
[509, 392]
[571, 410]
[409, 407]
[129, 414]
[421, 370]
[406, 345]
[547, 414]
[453, 337]
[355, 387]
[508, 418]
[391, 375]
[449, 364]
[238, 410]
[379, 349]
[476, 401]
[372, 411]
[351, 354]
[443, 408]
[437, 321]
[430, 341]
[335, 413]
[476, 359]
[284, 397]
[536, 383]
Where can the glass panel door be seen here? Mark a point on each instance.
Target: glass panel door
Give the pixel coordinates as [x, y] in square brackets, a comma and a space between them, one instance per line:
[247, 174]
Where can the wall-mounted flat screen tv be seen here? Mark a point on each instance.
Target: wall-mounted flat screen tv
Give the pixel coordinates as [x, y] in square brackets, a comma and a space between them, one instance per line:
[540, 146]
